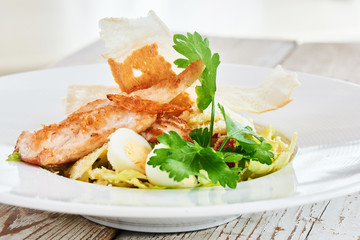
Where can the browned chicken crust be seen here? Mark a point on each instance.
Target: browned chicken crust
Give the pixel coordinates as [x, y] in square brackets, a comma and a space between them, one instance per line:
[165, 124]
[80, 134]
[183, 100]
[89, 127]
[137, 104]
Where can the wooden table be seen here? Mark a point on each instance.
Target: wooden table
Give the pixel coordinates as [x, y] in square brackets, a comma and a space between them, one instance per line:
[332, 219]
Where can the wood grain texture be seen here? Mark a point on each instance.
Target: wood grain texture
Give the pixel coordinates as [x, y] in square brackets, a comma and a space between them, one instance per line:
[24, 223]
[338, 60]
[340, 219]
[290, 223]
[259, 52]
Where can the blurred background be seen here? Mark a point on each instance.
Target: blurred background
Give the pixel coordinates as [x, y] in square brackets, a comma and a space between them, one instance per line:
[37, 33]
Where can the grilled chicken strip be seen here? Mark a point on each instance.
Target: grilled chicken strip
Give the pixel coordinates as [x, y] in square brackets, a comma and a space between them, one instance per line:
[137, 104]
[165, 124]
[80, 134]
[88, 128]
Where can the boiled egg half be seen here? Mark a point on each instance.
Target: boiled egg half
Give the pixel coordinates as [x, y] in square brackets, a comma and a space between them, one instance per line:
[127, 150]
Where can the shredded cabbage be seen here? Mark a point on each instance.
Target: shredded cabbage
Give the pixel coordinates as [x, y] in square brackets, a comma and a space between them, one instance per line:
[81, 167]
[282, 151]
[95, 167]
[125, 178]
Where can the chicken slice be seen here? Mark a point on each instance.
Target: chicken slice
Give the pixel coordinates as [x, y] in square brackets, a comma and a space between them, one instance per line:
[165, 124]
[137, 104]
[80, 133]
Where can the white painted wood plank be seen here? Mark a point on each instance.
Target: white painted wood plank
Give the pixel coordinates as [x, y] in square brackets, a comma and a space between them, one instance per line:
[259, 52]
[337, 60]
[290, 223]
[340, 220]
[23, 223]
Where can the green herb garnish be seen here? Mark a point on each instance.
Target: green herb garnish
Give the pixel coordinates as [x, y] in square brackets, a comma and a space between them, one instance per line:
[182, 158]
[259, 151]
[15, 157]
[194, 47]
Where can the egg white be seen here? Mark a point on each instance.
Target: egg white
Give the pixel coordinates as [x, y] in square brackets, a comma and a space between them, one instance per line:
[161, 178]
[127, 150]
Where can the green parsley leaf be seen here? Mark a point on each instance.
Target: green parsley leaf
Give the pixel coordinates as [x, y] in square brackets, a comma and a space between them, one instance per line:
[201, 136]
[259, 151]
[194, 47]
[184, 158]
[255, 151]
[178, 159]
[204, 97]
[217, 170]
[233, 156]
[15, 157]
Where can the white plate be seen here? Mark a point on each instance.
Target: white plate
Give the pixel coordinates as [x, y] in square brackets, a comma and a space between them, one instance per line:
[324, 112]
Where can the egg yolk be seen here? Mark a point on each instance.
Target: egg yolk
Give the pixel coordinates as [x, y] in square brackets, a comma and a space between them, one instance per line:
[137, 153]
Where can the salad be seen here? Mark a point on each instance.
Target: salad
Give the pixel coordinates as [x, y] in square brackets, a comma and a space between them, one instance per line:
[161, 130]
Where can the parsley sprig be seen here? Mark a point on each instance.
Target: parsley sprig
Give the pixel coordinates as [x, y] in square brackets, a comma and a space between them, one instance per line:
[182, 158]
[245, 136]
[194, 47]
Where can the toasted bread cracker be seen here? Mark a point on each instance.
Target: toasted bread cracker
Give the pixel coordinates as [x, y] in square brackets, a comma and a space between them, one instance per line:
[166, 91]
[122, 36]
[141, 70]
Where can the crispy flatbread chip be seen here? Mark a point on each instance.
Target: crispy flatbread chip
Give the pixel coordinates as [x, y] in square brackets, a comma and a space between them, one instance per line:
[121, 39]
[142, 69]
[137, 58]
[166, 91]
[274, 93]
[163, 92]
